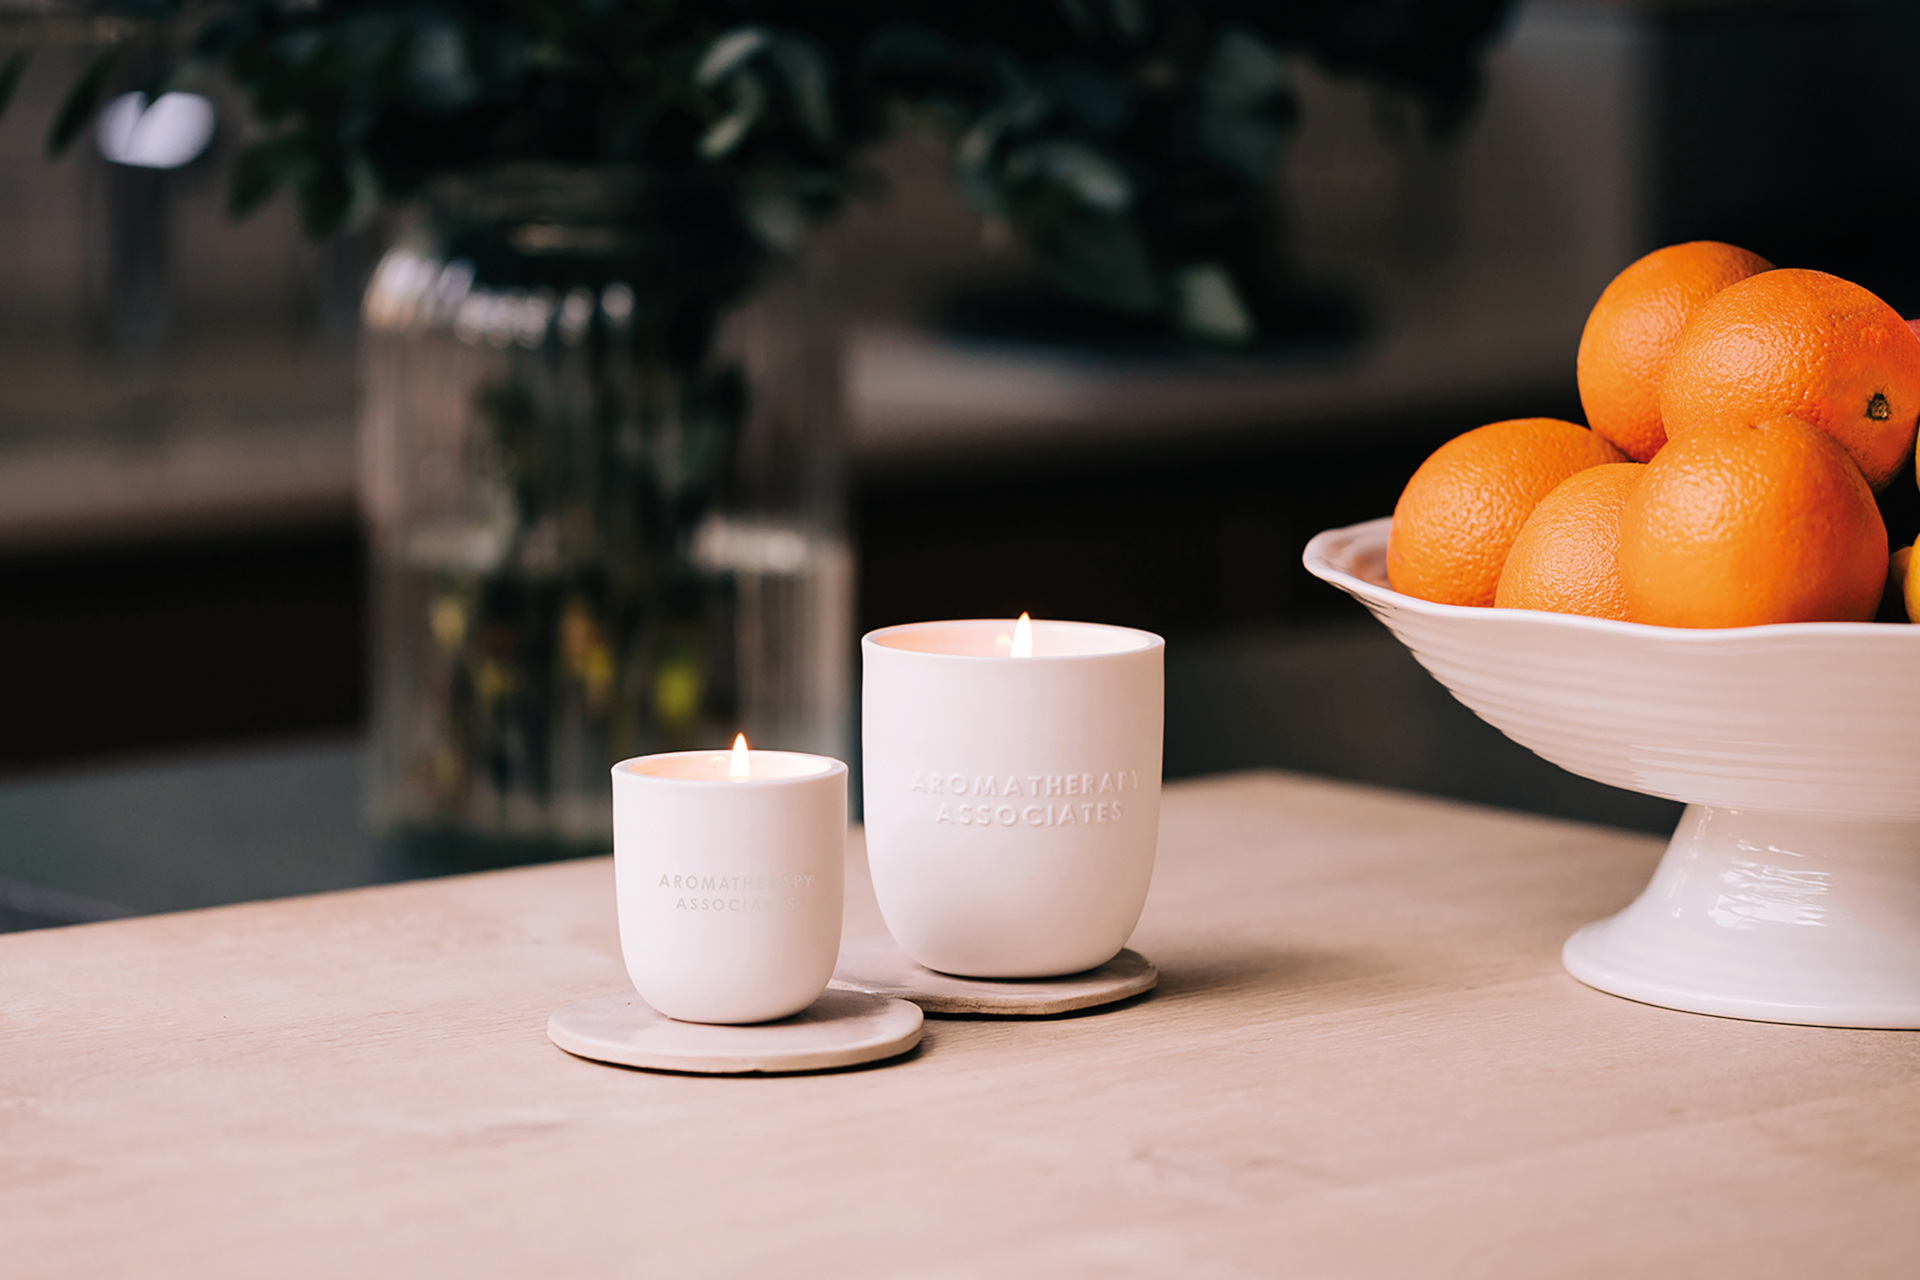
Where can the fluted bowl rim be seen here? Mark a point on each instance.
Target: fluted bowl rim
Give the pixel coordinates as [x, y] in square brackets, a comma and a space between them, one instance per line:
[1817, 718]
[1330, 556]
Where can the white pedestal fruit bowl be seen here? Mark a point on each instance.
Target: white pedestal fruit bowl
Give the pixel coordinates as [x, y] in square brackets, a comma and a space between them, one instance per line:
[1791, 890]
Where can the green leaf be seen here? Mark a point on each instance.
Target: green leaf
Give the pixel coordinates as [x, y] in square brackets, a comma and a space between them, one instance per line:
[1090, 253]
[728, 53]
[300, 47]
[262, 169]
[808, 87]
[1079, 18]
[10, 73]
[338, 189]
[363, 202]
[1246, 105]
[778, 219]
[1092, 178]
[1244, 71]
[82, 102]
[440, 69]
[726, 133]
[1129, 19]
[973, 167]
[326, 195]
[1093, 97]
[1206, 305]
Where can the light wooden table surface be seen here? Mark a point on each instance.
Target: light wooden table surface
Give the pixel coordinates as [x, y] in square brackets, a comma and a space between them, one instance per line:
[1363, 1060]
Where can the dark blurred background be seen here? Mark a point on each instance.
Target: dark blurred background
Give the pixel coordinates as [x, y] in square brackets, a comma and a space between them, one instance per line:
[184, 577]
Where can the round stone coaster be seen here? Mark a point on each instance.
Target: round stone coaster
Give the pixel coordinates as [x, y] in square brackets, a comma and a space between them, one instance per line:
[840, 1029]
[878, 966]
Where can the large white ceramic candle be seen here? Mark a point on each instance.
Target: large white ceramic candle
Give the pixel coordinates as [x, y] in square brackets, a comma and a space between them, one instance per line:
[728, 873]
[1012, 790]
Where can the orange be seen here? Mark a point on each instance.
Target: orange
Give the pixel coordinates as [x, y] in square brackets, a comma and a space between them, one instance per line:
[1899, 601]
[1632, 329]
[1461, 511]
[1566, 557]
[1735, 525]
[1800, 344]
[1910, 586]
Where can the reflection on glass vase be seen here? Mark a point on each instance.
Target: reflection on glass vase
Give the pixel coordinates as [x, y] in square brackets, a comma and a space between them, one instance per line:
[602, 465]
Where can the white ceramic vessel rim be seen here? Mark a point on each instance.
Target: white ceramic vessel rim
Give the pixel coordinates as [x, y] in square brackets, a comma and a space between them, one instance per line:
[1108, 640]
[1326, 558]
[803, 767]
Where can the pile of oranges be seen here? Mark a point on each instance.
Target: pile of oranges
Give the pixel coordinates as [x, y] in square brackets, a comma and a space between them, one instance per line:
[1741, 419]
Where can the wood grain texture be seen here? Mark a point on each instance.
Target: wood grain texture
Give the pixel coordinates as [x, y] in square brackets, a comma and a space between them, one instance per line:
[1363, 1060]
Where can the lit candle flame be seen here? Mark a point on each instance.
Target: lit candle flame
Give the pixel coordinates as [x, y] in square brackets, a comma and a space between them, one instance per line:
[1022, 638]
[737, 771]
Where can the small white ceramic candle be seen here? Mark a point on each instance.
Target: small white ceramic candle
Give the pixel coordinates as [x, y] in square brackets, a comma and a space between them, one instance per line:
[1012, 802]
[728, 873]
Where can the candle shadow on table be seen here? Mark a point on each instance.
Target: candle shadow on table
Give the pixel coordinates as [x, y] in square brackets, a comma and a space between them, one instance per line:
[899, 1060]
[1277, 971]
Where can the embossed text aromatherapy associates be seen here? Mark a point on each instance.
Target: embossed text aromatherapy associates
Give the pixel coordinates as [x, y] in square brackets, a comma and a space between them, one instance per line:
[1048, 799]
[778, 892]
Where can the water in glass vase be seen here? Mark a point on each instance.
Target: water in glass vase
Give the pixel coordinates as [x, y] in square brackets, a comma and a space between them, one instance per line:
[505, 697]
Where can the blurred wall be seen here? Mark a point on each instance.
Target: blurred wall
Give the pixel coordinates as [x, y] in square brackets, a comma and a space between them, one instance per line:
[164, 367]
[1170, 490]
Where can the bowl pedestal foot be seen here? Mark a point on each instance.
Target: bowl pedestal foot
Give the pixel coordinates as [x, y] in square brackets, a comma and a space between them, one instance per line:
[1772, 917]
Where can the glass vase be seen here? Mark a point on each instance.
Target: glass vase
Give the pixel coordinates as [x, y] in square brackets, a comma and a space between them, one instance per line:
[601, 460]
